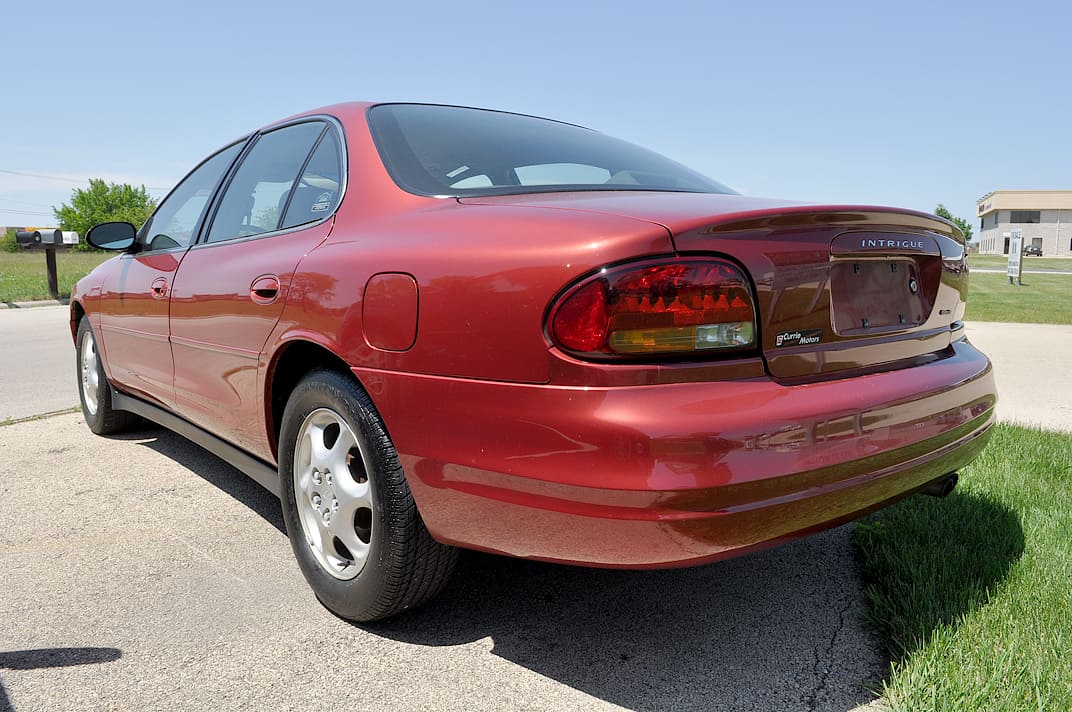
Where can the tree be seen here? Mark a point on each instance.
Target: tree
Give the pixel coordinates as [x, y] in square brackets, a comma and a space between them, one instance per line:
[104, 202]
[963, 224]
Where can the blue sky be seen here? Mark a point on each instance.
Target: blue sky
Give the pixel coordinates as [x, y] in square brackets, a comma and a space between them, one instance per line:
[905, 103]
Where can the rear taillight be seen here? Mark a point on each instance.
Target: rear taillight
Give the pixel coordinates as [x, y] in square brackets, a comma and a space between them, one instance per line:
[687, 306]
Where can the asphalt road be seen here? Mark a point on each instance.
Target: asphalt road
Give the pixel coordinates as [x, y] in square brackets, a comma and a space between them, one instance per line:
[144, 573]
[36, 362]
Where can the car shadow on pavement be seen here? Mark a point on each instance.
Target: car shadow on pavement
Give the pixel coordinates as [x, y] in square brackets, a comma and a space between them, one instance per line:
[777, 629]
[211, 469]
[50, 658]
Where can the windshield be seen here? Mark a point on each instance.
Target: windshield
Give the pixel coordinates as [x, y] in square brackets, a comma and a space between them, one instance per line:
[454, 151]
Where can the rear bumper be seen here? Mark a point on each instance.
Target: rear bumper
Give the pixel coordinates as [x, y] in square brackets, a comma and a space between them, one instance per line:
[676, 474]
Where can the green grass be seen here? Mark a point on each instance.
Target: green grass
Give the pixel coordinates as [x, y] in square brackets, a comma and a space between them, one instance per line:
[1062, 264]
[974, 592]
[23, 276]
[1041, 299]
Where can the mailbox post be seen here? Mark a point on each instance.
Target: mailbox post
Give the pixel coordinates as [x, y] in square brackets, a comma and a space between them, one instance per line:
[48, 239]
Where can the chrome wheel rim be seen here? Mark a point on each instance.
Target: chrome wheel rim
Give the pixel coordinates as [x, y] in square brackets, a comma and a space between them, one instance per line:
[90, 373]
[332, 493]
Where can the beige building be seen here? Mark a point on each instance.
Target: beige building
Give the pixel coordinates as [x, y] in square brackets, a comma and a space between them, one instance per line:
[1044, 216]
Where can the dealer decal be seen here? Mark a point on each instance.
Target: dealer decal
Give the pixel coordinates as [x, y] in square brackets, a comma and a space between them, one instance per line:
[323, 202]
[798, 338]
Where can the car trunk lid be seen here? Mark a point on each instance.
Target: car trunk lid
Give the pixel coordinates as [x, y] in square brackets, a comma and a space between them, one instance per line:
[839, 288]
[842, 288]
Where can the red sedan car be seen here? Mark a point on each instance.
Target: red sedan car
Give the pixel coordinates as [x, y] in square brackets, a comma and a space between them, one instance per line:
[426, 327]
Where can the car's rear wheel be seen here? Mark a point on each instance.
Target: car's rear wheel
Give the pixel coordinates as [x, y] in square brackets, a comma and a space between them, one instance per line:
[350, 515]
[93, 389]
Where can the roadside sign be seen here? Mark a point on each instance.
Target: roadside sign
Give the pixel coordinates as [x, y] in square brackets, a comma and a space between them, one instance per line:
[1016, 248]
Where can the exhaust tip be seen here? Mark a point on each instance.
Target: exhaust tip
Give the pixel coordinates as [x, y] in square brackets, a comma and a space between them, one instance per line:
[942, 486]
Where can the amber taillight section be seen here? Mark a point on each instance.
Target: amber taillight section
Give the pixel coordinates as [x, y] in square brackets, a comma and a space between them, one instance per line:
[688, 306]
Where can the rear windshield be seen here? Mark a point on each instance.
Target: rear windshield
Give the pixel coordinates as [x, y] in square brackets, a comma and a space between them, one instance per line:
[454, 151]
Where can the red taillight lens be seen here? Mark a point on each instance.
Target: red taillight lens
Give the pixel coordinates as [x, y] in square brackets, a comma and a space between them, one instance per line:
[681, 307]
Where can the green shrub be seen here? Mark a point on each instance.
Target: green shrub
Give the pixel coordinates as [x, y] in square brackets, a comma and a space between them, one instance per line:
[7, 242]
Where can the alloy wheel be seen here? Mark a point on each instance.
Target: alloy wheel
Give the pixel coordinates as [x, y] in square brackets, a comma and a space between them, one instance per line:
[90, 373]
[332, 493]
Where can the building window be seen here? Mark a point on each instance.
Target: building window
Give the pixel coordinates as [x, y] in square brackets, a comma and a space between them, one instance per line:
[989, 220]
[1025, 216]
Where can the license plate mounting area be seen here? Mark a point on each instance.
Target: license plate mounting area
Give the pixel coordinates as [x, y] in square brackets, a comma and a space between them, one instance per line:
[875, 295]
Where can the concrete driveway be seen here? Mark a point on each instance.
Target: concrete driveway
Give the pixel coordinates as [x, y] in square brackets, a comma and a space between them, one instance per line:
[1033, 369]
[144, 573]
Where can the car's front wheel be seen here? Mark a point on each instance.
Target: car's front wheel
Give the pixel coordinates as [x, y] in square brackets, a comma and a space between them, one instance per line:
[350, 515]
[93, 390]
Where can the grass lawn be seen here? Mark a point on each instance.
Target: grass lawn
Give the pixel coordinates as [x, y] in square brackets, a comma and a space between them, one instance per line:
[974, 592]
[1062, 264]
[23, 276]
[1041, 299]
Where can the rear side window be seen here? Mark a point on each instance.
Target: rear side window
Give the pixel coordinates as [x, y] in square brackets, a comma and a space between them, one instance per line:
[257, 195]
[317, 191]
[455, 151]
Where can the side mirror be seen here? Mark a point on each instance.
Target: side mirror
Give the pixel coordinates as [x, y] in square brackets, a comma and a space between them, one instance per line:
[112, 235]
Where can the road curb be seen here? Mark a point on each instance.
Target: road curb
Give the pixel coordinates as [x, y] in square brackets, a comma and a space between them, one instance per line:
[38, 303]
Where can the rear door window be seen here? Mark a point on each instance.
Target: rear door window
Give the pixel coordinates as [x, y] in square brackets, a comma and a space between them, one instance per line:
[258, 193]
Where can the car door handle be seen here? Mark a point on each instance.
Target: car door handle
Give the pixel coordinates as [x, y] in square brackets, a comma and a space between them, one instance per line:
[265, 289]
[159, 288]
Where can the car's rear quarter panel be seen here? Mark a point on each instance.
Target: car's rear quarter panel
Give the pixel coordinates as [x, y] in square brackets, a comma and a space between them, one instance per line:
[485, 277]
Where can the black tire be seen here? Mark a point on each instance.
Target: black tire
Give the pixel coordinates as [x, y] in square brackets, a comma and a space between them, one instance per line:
[97, 409]
[398, 565]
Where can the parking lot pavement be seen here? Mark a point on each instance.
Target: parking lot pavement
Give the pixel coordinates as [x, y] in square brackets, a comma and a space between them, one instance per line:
[144, 573]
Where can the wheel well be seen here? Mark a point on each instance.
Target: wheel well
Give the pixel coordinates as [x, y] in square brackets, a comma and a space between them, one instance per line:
[77, 312]
[296, 360]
